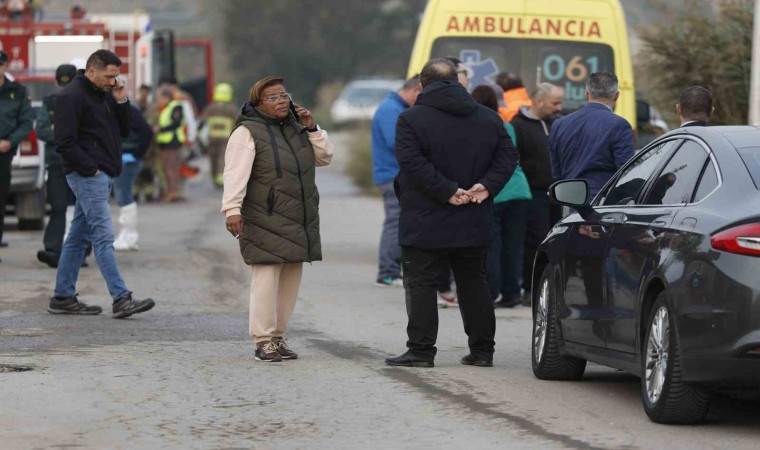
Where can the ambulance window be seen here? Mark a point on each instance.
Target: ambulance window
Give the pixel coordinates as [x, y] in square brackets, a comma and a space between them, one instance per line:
[563, 63]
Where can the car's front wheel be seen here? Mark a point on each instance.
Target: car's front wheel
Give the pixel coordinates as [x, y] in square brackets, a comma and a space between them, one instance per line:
[666, 398]
[549, 363]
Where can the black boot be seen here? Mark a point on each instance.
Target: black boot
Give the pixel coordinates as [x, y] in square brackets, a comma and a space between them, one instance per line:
[409, 360]
[480, 361]
[126, 306]
[71, 305]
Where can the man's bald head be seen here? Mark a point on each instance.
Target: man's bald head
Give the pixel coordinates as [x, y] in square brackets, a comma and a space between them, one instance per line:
[547, 101]
[438, 69]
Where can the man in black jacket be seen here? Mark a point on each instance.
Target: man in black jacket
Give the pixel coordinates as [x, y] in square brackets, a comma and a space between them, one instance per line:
[454, 156]
[92, 114]
[532, 125]
[59, 194]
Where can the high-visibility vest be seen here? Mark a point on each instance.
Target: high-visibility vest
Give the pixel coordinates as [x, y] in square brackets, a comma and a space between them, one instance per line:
[220, 127]
[165, 120]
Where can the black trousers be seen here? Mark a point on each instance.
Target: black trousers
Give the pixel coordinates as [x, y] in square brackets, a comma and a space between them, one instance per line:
[541, 217]
[422, 273]
[5, 186]
[59, 196]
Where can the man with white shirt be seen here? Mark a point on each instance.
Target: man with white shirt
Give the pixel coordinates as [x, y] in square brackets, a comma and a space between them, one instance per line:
[695, 106]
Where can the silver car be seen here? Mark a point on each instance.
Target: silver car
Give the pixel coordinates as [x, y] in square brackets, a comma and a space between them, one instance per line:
[360, 98]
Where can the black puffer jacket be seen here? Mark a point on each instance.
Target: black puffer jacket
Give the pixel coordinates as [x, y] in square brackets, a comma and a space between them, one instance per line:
[444, 142]
[88, 127]
[533, 145]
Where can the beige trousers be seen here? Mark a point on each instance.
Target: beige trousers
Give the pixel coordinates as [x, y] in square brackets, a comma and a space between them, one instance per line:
[274, 289]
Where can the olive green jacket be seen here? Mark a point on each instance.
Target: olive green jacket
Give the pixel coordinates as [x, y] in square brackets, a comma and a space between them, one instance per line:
[281, 206]
[16, 115]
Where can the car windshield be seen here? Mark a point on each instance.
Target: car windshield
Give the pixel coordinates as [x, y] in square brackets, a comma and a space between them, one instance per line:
[751, 157]
[366, 95]
[565, 64]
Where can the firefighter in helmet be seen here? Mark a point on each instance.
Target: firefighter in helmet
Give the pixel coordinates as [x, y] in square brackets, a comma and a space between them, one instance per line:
[220, 119]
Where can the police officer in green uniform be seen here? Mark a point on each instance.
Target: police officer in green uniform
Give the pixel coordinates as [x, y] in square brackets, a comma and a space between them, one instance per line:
[16, 119]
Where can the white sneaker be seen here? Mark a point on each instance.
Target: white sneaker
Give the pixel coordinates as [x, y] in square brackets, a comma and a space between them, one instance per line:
[390, 282]
[128, 236]
[448, 298]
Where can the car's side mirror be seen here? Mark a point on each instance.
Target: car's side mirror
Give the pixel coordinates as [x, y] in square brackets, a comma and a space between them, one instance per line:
[572, 193]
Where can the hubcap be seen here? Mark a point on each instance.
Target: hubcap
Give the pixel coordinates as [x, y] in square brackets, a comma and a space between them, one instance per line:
[540, 321]
[658, 346]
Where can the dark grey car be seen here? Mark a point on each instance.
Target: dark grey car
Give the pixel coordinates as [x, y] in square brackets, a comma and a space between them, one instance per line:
[660, 275]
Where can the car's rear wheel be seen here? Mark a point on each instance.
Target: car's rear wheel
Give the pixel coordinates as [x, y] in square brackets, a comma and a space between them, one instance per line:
[548, 361]
[30, 210]
[666, 398]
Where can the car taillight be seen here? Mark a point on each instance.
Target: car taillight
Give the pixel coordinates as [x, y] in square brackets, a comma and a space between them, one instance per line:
[28, 147]
[744, 240]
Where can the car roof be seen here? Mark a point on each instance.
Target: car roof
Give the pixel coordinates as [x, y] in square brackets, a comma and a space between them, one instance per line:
[739, 136]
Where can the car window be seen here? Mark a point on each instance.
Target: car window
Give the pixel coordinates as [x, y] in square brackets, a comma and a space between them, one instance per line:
[708, 182]
[676, 182]
[634, 176]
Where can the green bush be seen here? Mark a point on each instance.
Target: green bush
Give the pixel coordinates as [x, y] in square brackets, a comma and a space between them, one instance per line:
[710, 46]
[359, 166]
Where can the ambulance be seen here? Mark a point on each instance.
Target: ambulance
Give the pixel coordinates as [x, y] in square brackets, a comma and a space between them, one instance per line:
[555, 41]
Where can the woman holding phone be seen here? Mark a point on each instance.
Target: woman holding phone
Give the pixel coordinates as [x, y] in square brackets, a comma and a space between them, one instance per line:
[271, 204]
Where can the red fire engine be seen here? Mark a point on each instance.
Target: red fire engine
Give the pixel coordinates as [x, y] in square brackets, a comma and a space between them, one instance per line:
[37, 47]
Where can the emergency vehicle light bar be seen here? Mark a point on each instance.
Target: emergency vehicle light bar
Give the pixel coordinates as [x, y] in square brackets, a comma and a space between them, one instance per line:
[68, 39]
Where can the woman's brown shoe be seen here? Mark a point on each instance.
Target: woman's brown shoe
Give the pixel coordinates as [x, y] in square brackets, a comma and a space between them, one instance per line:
[267, 352]
[283, 349]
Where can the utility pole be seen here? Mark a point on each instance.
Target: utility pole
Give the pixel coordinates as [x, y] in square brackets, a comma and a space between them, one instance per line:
[754, 89]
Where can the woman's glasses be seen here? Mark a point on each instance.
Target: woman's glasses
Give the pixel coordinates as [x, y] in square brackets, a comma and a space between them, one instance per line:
[277, 97]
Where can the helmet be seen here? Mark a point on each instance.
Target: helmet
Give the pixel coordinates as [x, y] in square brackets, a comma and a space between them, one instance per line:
[223, 92]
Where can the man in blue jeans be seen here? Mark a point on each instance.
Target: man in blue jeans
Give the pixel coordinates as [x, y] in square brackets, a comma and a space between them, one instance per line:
[385, 168]
[92, 115]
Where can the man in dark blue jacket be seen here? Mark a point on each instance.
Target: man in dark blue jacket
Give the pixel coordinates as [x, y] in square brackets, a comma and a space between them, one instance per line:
[92, 114]
[592, 143]
[455, 156]
[385, 169]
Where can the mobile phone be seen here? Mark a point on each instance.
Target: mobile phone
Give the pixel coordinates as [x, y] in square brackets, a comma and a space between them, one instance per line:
[293, 110]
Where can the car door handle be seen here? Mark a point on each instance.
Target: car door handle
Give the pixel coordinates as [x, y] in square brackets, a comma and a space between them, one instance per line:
[612, 219]
[658, 226]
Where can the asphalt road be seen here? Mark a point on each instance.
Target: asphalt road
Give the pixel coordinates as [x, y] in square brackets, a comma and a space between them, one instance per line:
[183, 375]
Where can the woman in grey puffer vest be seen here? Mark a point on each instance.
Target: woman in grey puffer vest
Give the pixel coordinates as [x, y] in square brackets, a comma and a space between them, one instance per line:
[272, 206]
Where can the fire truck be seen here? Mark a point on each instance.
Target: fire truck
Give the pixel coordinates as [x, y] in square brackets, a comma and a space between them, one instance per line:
[37, 47]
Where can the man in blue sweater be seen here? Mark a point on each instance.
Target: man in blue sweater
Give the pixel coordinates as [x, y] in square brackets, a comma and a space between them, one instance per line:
[592, 143]
[385, 168]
